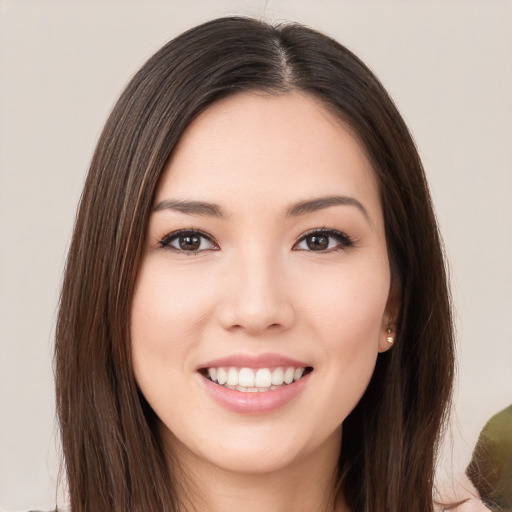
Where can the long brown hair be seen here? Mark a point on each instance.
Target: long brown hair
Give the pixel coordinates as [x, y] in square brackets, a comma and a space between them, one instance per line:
[113, 455]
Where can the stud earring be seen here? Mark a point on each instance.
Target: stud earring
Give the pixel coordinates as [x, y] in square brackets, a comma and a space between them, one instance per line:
[390, 338]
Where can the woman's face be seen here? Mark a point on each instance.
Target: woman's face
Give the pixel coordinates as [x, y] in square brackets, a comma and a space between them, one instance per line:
[262, 300]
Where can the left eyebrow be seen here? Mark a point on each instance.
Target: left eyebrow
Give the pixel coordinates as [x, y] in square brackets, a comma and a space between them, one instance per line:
[313, 205]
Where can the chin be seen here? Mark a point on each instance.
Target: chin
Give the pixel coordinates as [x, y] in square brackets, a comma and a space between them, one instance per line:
[261, 461]
[253, 451]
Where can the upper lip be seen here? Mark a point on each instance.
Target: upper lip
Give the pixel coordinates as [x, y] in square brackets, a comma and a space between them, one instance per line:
[267, 360]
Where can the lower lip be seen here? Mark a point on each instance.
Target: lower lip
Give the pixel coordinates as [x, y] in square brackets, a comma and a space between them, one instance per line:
[260, 402]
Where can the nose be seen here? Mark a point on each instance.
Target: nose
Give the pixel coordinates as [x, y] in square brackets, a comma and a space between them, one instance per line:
[257, 296]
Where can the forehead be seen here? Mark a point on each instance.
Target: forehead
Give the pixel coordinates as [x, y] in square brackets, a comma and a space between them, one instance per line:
[253, 147]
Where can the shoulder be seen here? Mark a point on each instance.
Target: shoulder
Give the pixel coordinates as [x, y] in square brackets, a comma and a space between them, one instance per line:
[465, 495]
[464, 505]
[472, 505]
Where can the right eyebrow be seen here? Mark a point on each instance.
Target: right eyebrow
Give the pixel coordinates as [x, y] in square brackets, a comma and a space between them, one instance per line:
[190, 207]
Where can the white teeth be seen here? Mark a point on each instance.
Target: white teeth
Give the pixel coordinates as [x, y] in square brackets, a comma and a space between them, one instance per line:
[263, 378]
[221, 376]
[232, 377]
[277, 377]
[288, 375]
[248, 380]
[246, 389]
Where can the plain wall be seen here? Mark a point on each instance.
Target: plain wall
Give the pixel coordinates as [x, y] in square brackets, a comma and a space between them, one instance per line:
[447, 65]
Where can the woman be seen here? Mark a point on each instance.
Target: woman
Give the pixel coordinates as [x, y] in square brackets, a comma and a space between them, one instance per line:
[255, 311]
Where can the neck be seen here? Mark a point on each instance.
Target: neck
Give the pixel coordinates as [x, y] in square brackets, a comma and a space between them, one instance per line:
[306, 485]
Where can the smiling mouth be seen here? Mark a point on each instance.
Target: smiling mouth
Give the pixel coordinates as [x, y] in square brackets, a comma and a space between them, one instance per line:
[255, 380]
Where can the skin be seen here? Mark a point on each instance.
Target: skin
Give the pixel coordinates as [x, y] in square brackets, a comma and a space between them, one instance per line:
[258, 287]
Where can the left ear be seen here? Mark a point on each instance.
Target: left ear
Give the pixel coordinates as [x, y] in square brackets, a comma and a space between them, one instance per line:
[389, 320]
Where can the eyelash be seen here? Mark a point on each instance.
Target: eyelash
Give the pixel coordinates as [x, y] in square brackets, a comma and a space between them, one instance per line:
[343, 239]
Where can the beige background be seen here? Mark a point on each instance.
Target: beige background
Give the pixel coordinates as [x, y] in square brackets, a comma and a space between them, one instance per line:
[62, 65]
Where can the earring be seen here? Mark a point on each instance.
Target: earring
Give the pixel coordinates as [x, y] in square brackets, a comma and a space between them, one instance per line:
[390, 338]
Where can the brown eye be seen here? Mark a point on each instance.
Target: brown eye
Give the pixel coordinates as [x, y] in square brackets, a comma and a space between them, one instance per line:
[317, 243]
[323, 240]
[188, 242]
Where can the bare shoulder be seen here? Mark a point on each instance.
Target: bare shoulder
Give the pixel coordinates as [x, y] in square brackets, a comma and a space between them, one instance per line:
[462, 498]
[469, 505]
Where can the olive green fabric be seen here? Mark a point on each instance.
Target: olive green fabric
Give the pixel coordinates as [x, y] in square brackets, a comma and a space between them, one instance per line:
[490, 468]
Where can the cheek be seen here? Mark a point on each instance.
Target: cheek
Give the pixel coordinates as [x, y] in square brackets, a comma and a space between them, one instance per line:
[347, 321]
[169, 306]
[168, 310]
[348, 305]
